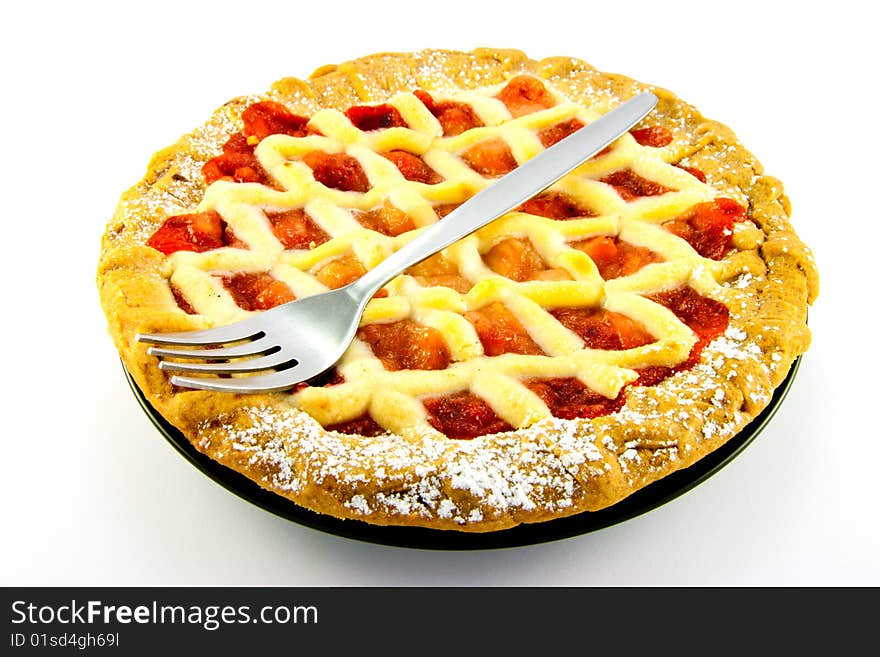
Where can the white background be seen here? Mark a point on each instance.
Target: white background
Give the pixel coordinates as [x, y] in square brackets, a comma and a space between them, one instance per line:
[93, 495]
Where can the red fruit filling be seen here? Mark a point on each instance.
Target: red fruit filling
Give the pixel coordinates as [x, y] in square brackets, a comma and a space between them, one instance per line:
[412, 167]
[405, 345]
[296, 230]
[463, 415]
[708, 227]
[614, 257]
[337, 170]
[631, 185]
[202, 231]
[257, 291]
[375, 117]
[500, 331]
[603, 329]
[524, 95]
[454, 118]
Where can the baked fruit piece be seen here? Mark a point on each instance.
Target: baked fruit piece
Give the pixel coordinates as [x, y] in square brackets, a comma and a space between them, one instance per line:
[609, 332]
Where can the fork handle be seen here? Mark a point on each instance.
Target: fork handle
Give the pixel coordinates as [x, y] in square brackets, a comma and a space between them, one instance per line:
[508, 192]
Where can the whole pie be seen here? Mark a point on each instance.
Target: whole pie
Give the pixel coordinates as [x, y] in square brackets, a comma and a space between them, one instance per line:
[610, 331]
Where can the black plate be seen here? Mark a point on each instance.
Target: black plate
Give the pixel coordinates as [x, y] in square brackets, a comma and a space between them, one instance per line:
[640, 502]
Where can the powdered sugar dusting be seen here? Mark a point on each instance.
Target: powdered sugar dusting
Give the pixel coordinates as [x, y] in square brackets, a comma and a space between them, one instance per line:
[460, 481]
[424, 475]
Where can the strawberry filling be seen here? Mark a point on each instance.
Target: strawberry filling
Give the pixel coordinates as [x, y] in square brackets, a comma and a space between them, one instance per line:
[466, 416]
[270, 118]
[705, 317]
[631, 185]
[555, 205]
[439, 270]
[524, 95]
[490, 158]
[201, 231]
[614, 257]
[182, 302]
[514, 258]
[708, 227]
[463, 415]
[445, 208]
[337, 170]
[257, 291]
[500, 331]
[696, 173]
[375, 117]
[559, 131]
[454, 118]
[405, 345]
[237, 163]
[413, 168]
[653, 136]
[340, 271]
[603, 329]
[387, 219]
[569, 398]
[296, 230]
[363, 425]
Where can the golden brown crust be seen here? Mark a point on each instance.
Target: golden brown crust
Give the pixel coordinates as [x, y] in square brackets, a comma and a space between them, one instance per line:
[551, 469]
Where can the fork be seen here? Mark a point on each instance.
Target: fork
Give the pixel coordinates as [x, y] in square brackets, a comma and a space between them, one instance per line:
[298, 340]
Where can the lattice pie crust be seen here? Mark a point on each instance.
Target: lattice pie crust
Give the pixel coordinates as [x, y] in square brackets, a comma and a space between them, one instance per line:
[544, 467]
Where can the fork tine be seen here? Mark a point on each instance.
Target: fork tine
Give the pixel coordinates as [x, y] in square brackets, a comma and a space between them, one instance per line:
[256, 348]
[251, 365]
[242, 330]
[273, 382]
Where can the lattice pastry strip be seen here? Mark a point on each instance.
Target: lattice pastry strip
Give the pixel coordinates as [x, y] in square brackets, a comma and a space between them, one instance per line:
[393, 399]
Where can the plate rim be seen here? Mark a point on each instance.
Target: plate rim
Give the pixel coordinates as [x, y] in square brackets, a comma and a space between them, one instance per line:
[640, 502]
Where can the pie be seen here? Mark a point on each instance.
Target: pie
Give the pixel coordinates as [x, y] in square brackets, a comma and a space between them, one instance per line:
[610, 331]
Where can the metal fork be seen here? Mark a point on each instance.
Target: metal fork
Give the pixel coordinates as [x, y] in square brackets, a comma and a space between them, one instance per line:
[299, 340]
